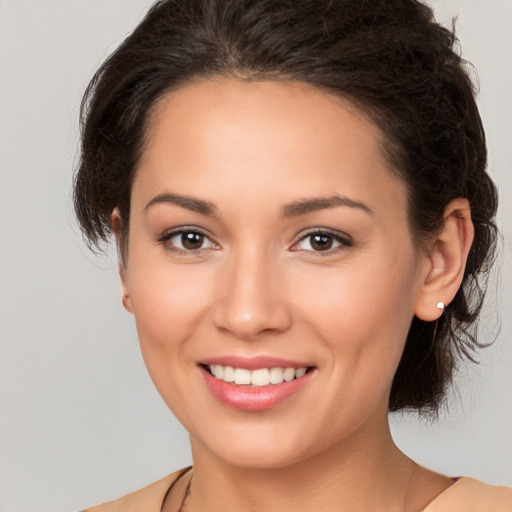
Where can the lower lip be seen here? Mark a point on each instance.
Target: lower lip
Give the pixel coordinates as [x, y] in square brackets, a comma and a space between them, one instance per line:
[254, 398]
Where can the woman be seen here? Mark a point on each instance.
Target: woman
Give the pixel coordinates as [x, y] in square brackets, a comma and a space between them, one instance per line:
[304, 225]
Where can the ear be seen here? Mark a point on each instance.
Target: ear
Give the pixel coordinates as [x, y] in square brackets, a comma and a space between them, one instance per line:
[443, 266]
[117, 228]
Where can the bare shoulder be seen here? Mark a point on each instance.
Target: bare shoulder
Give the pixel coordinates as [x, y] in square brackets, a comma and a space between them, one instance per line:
[469, 494]
[149, 498]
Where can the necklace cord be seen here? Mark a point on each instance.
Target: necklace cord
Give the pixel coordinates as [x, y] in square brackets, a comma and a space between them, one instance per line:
[187, 494]
[182, 473]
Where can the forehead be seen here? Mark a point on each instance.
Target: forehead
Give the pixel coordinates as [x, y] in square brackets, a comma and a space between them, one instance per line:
[229, 110]
[267, 134]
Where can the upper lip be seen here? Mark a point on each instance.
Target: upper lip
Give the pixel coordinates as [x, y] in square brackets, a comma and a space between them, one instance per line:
[254, 363]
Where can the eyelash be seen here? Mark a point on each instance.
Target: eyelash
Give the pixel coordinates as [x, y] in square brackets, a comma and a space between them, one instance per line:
[167, 237]
[344, 241]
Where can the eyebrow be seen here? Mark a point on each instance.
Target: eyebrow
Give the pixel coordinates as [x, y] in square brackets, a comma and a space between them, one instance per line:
[188, 202]
[309, 205]
[294, 209]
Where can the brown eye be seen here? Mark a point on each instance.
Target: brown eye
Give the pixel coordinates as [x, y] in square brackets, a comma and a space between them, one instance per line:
[187, 241]
[321, 242]
[192, 241]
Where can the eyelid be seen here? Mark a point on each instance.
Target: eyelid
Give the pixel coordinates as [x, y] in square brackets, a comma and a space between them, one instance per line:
[170, 233]
[345, 241]
[342, 238]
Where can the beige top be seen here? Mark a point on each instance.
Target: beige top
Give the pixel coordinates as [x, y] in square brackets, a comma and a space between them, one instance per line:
[465, 495]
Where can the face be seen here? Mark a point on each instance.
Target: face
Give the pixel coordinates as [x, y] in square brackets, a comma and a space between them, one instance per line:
[269, 244]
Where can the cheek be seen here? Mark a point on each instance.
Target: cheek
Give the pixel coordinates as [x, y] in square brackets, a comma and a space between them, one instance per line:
[168, 302]
[169, 306]
[362, 313]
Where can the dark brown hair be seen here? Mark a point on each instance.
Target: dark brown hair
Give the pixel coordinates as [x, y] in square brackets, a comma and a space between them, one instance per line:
[389, 57]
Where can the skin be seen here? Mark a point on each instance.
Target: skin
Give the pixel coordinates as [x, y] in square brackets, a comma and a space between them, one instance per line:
[258, 287]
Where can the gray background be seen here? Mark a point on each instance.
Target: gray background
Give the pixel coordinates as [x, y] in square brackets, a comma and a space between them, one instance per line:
[80, 422]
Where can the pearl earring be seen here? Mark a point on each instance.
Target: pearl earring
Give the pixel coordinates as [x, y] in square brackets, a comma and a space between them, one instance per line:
[440, 305]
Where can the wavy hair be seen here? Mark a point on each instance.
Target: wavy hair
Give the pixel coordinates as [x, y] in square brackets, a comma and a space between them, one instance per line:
[388, 57]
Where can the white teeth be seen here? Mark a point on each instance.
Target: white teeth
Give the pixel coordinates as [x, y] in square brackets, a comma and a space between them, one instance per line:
[259, 377]
[218, 371]
[276, 375]
[229, 374]
[300, 373]
[289, 374]
[242, 376]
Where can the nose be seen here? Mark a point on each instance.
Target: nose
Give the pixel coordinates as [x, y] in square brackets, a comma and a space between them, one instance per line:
[251, 301]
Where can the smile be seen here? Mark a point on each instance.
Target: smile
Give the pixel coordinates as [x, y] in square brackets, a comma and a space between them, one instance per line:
[255, 384]
[259, 377]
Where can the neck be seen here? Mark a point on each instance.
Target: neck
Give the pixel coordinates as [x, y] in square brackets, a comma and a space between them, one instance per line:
[360, 473]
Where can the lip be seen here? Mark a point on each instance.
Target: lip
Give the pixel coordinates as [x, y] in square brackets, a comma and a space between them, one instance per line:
[252, 398]
[254, 363]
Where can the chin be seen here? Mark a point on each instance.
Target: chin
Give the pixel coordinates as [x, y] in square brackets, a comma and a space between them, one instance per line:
[265, 447]
[259, 459]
